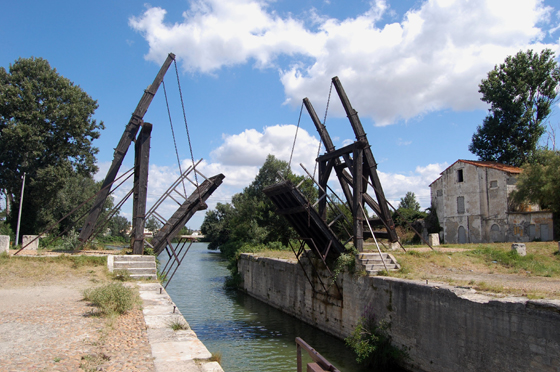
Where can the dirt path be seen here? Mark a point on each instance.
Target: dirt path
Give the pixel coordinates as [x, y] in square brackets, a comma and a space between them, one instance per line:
[50, 328]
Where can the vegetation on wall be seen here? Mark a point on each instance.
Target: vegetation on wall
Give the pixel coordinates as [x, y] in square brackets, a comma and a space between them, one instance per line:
[372, 343]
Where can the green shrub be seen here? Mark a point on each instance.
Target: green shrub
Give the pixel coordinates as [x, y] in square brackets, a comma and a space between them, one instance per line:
[113, 298]
[372, 343]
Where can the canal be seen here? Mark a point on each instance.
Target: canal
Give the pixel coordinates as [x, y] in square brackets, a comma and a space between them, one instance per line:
[250, 335]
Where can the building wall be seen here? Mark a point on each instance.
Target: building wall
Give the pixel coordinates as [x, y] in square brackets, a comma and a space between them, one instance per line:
[444, 328]
[486, 215]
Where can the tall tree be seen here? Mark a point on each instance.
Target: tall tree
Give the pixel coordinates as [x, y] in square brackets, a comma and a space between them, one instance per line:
[46, 131]
[409, 202]
[521, 92]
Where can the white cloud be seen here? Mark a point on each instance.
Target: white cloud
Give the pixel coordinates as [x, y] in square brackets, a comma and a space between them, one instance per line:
[433, 59]
[395, 186]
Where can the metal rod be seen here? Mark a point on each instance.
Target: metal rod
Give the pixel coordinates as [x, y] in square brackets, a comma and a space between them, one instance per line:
[20, 206]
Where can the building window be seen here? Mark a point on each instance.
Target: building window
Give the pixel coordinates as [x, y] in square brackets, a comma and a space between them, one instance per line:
[460, 204]
[460, 175]
[440, 193]
[493, 184]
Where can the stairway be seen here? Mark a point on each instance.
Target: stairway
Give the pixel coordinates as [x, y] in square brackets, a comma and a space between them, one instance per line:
[138, 266]
[373, 264]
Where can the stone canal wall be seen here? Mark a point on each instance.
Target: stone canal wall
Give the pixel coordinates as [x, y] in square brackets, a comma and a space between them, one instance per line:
[444, 328]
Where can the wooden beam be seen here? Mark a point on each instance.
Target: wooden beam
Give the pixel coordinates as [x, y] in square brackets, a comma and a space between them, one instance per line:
[142, 160]
[368, 158]
[120, 151]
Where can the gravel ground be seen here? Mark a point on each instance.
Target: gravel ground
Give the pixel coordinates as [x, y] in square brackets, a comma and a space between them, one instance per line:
[50, 328]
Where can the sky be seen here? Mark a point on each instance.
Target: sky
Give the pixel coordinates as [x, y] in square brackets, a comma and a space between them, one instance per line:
[410, 68]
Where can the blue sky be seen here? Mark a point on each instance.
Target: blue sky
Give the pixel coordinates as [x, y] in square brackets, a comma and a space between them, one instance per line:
[410, 68]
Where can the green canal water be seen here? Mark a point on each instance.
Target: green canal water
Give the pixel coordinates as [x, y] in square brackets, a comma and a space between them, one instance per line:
[249, 334]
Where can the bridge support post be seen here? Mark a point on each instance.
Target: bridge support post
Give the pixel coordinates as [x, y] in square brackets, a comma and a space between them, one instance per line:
[141, 162]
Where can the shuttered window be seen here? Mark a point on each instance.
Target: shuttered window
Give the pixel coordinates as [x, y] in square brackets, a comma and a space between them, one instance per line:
[460, 204]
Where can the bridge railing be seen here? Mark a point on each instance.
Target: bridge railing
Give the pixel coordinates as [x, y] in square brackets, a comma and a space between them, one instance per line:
[320, 363]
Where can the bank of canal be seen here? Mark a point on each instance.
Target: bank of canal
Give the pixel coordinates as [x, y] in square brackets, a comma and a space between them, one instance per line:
[250, 335]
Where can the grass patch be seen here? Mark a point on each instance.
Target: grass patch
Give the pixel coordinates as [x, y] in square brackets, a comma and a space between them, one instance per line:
[539, 264]
[113, 298]
[122, 275]
[216, 357]
[178, 324]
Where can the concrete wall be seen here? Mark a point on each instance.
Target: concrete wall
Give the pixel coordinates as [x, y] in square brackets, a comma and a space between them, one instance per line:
[445, 328]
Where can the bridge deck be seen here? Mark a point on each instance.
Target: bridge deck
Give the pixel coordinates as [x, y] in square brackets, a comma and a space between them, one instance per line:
[301, 215]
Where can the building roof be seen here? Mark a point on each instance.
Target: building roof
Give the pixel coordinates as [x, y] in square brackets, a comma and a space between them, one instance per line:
[485, 164]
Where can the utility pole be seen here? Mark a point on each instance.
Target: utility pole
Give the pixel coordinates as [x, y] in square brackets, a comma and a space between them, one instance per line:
[20, 205]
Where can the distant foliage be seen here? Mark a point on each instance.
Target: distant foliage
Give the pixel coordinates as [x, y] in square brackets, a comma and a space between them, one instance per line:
[540, 181]
[408, 211]
[250, 218]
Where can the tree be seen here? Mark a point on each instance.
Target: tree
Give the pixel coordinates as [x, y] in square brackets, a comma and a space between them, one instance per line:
[408, 211]
[119, 226]
[409, 202]
[153, 225]
[521, 92]
[540, 181]
[250, 218]
[46, 131]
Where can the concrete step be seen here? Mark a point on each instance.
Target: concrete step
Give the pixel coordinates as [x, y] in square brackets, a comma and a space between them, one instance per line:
[142, 271]
[390, 266]
[376, 261]
[369, 256]
[133, 264]
[142, 258]
[146, 276]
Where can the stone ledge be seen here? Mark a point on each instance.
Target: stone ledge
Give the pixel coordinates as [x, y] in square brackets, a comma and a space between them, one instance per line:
[173, 351]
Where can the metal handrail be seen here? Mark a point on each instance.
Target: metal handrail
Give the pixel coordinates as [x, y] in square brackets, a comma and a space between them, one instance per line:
[317, 358]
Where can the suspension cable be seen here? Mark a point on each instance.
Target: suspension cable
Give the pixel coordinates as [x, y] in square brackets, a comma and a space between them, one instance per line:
[186, 126]
[324, 123]
[295, 137]
[173, 134]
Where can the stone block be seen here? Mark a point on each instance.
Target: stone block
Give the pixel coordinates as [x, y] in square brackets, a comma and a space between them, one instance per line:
[30, 242]
[433, 239]
[394, 246]
[4, 243]
[519, 248]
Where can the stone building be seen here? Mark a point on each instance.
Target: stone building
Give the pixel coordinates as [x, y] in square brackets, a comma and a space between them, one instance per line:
[473, 204]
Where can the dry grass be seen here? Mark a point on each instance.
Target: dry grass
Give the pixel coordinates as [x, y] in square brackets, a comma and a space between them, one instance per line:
[284, 255]
[21, 271]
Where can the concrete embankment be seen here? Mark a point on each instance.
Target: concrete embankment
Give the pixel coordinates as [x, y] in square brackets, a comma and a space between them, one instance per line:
[173, 351]
[444, 328]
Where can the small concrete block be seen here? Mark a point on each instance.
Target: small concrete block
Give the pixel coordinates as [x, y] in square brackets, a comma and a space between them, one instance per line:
[394, 246]
[433, 239]
[30, 242]
[4, 243]
[519, 248]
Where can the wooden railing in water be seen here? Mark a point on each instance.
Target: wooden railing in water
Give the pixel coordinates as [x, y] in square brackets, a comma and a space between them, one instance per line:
[320, 363]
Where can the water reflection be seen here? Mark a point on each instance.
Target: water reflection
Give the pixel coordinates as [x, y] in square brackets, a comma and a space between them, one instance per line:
[250, 335]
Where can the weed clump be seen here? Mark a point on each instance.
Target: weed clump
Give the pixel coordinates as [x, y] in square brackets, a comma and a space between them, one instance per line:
[112, 299]
[372, 343]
